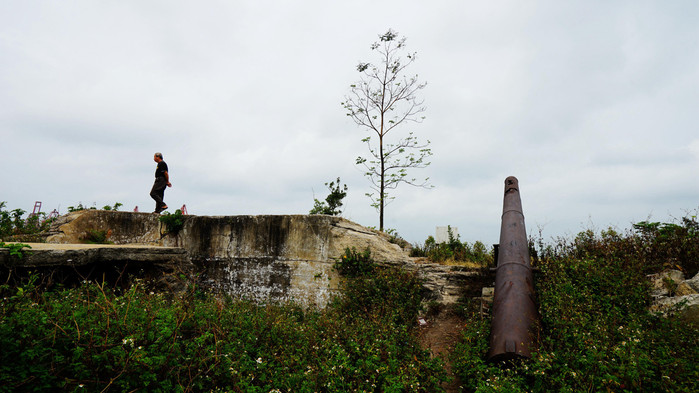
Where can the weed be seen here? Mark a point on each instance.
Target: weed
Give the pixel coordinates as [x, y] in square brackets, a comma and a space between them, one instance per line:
[96, 236]
[16, 249]
[173, 222]
[353, 263]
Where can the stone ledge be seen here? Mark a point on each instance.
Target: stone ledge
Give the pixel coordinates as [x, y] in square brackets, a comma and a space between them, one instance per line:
[51, 255]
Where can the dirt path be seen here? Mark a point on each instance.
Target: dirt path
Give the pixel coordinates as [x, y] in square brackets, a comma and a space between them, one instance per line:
[439, 336]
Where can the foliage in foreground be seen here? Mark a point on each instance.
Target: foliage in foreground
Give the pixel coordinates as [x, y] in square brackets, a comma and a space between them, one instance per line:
[597, 332]
[95, 339]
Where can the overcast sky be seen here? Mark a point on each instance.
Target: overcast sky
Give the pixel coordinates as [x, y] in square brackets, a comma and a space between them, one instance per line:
[592, 105]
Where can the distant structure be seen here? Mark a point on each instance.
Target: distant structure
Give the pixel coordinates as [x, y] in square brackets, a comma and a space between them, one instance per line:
[442, 234]
[37, 210]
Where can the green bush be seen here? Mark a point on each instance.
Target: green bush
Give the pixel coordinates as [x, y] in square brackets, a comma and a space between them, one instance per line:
[453, 251]
[16, 249]
[333, 202]
[173, 222]
[96, 236]
[93, 339]
[353, 263]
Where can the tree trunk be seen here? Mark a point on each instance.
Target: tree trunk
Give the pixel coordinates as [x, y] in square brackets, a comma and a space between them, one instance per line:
[383, 184]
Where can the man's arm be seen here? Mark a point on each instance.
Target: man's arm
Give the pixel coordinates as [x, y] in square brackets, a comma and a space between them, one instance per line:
[167, 178]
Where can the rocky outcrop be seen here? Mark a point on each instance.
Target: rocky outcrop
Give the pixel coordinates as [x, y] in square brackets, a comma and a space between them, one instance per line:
[674, 295]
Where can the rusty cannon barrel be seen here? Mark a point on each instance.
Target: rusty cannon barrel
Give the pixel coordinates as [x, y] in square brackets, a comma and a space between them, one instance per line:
[514, 318]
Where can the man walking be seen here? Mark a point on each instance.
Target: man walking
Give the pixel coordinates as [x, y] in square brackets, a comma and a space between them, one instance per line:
[162, 180]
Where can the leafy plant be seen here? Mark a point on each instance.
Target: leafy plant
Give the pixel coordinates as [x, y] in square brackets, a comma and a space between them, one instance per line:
[97, 236]
[13, 223]
[353, 263]
[16, 249]
[173, 222]
[79, 207]
[113, 208]
[333, 202]
[454, 251]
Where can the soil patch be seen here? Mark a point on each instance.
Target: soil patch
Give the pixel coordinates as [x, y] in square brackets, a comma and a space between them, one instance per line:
[439, 336]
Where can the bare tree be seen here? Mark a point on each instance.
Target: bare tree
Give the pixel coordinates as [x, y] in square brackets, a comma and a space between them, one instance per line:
[384, 98]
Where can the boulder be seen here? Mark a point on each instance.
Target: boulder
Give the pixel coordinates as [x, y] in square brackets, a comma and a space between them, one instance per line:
[685, 307]
[683, 289]
[665, 283]
[694, 282]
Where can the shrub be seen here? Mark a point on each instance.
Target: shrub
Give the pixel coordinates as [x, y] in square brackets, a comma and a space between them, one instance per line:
[96, 236]
[453, 251]
[16, 249]
[333, 202]
[173, 222]
[92, 339]
[353, 263]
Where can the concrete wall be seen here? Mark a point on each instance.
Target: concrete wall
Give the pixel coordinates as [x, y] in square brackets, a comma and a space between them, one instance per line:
[272, 257]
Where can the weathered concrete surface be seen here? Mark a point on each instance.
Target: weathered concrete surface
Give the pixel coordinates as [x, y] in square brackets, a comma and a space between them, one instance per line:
[50, 255]
[292, 237]
[277, 257]
[273, 257]
[123, 227]
[160, 268]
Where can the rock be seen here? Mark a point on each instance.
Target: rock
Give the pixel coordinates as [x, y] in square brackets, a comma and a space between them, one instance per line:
[694, 282]
[278, 257]
[662, 282]
[685, 307]
[487, 294]
[684, 289]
